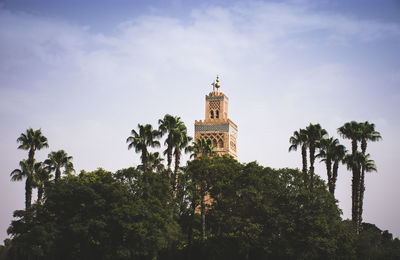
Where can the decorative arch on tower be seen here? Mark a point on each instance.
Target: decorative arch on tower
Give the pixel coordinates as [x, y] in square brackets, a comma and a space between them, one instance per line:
[217, 139]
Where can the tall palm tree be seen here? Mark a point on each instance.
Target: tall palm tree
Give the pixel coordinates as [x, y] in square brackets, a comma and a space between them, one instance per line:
[367, 133]
[352, 131]
[25, 171]
[32, 141]
[356, 162]
[299, 138]
[173, 126]
[331, 152]
[40, 180]
[352, 163]
[181, 143]
[315, 133]
[58, 160]
[143, 139]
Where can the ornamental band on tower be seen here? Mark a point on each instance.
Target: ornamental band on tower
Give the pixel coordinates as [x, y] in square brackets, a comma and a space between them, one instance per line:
[217, 127]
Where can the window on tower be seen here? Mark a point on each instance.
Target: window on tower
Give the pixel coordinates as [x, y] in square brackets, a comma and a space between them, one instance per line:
[212, 114]
[217, 114]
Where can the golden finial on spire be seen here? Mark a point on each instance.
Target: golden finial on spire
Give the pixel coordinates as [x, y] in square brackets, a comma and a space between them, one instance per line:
[217, 85]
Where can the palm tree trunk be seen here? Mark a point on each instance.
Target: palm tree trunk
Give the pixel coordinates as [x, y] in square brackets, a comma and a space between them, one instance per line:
[355, 199]
[361, 198]
[334, 176]
[28, 192]
[353, 146]
[177, 162]
[361, 187]
[304, 156]
[169, 161]
[328, 164]
[203, 219]
[312, 159]
[58, 174]
[355, 187]
[31, 156]
[40, 195]
[144, 160]
[28, 183]
[363, 146]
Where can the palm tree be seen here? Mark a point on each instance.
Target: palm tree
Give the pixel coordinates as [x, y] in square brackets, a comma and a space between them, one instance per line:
[25, 171]
[182, 142]
[352, 163]
[331, 151]
[351, 130]
[202, 147]
[32, 140]
[140, 141]
[315, 133]
[367, 133]
[58, 160]
[299, 138]
[173, 126]
[355, 162]
[338, 155]
[40, 180]
[154, 162]
[367, 165]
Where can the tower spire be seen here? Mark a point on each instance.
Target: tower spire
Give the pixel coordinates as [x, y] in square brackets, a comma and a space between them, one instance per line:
[217, 85]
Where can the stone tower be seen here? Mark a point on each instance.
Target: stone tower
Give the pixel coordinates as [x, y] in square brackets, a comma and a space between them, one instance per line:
[217, 127]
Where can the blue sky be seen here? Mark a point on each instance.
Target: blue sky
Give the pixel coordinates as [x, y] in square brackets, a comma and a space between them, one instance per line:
[87, 72]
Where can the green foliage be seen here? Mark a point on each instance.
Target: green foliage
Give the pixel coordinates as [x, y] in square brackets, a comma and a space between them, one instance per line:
[32, 140]
[58, 160]
[174, 128]
[141, 140]
[374, 243]
[259, 212]
[331, 152]
[202, 147]
[96, 216]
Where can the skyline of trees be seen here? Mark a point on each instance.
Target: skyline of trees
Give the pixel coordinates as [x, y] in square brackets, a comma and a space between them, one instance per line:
[313, 138]
[246, 209]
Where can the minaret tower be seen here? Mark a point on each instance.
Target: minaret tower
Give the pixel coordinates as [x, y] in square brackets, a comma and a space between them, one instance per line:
[217, 127]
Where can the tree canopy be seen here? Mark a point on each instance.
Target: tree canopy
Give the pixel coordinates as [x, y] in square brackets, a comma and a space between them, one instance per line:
[214, 207]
